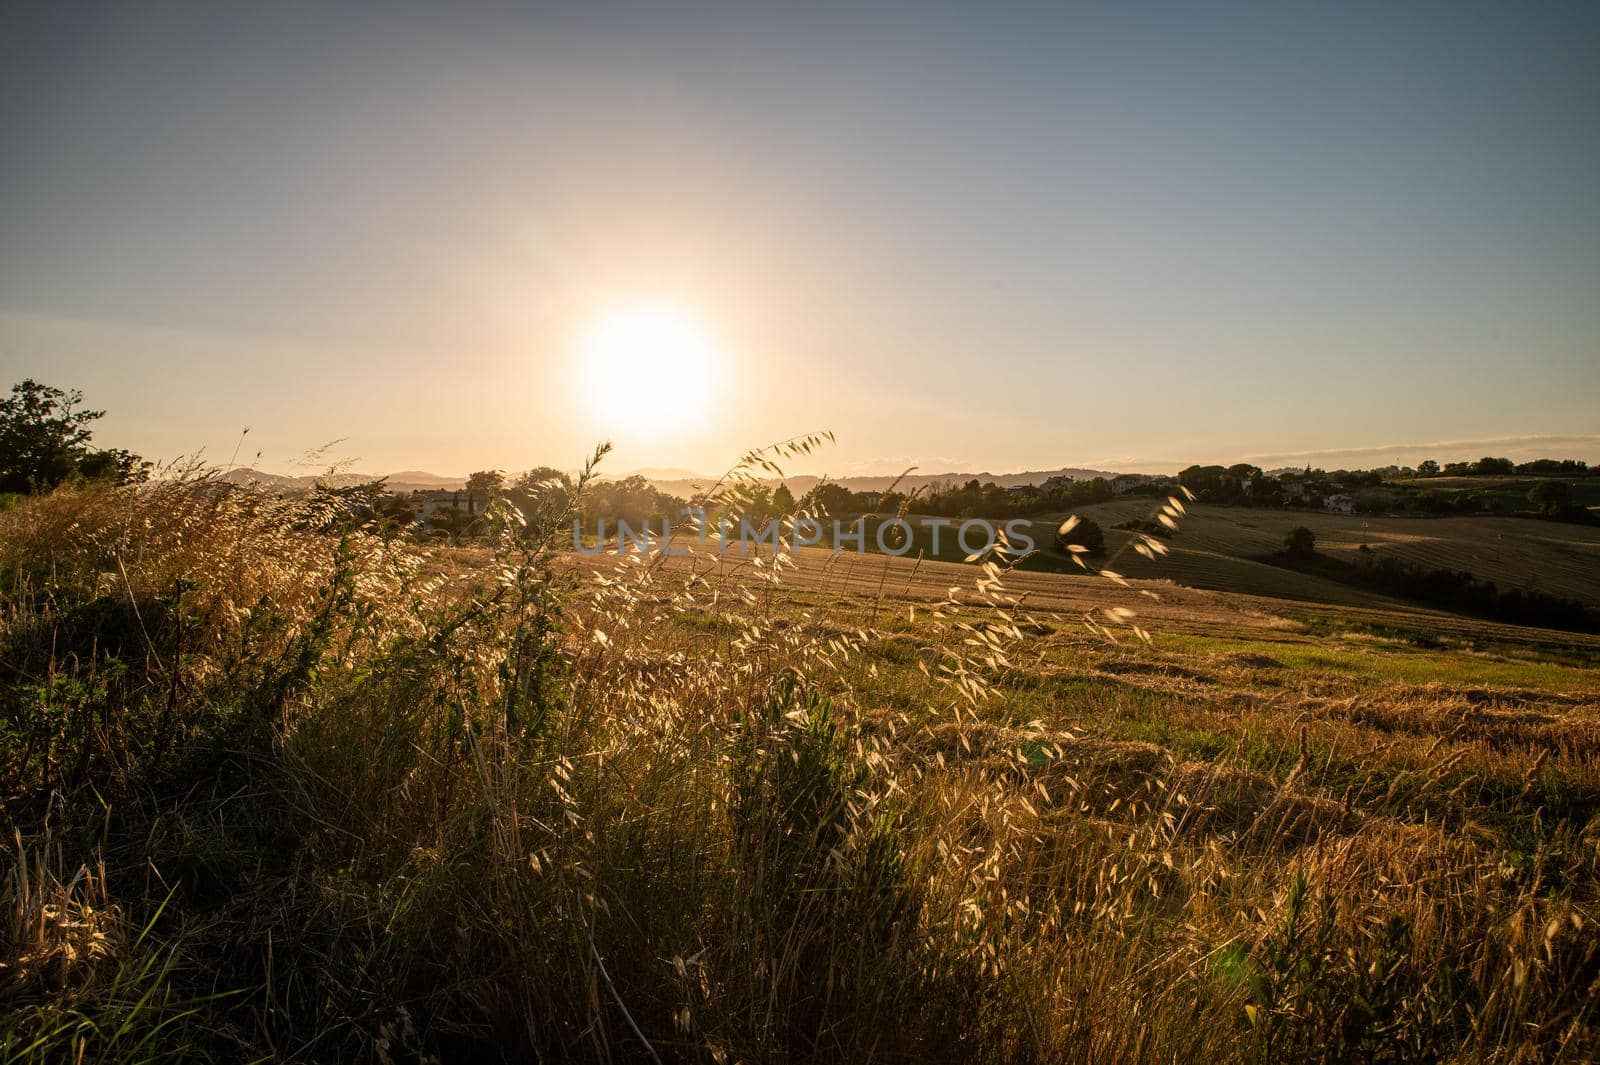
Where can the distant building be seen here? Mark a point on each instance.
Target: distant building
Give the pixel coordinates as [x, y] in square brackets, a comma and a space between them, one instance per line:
[1123, 483]
[431, 502]
[1293, 489]
[1056, 483]
[1339, 504]
[1021, 489]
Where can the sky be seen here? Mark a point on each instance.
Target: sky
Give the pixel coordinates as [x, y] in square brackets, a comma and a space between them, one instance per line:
[987, 236]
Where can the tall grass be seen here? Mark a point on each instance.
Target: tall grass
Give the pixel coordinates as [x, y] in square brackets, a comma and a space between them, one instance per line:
[281, 786]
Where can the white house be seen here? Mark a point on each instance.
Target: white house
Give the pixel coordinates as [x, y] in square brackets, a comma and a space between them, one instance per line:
[431, 502]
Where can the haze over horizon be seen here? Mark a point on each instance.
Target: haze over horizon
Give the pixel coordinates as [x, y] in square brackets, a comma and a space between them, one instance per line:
[1026, 238]
[1520, 449]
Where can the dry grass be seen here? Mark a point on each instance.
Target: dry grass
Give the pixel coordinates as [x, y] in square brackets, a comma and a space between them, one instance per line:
[397, 803]
[1219, 545]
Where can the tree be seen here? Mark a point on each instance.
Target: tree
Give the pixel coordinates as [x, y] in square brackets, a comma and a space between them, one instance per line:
[830, 498]
[393, 512]
[44, 440]
[1550, 496]
[543, 494]
[1094, 490]
[632, 499]
[1209, 482]
[1489, 466]
[114, 464]
[350, 505]
[1427, 468]
[782, 501]
[1085, 533]
[1552, 467]
[749, 500]
[485, 483]
[1300, 541]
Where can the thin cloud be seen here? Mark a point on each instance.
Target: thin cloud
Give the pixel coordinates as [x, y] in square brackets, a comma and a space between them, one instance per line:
[1577, 446]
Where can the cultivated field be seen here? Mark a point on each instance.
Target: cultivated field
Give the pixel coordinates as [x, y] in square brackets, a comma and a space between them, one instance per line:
[1217, 548]
[285, 789]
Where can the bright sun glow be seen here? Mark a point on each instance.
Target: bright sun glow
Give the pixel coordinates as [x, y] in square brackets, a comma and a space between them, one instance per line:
[647, 369]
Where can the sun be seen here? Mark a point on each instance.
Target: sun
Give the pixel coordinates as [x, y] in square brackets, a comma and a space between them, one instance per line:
[647, 369]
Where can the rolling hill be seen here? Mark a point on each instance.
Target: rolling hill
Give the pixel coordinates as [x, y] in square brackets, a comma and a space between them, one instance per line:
[684, 484]
[404, 481]
[1218, 547]
[1222, 548]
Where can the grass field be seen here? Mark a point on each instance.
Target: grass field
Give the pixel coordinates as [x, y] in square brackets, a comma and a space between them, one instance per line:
[282, 789]
[1219, 549]
[1513, 552]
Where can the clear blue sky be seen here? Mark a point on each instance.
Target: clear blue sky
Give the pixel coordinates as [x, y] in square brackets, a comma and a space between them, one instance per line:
[981, 237]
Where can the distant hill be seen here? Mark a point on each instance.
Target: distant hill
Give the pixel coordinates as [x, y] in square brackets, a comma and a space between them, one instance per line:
[689, 484]
[408, 479]
[1221, 548]
[678, 482]
[405, 481]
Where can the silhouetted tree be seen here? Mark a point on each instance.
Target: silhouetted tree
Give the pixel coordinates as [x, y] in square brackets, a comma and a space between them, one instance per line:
[543, 494]
[632, 499]
[783, 500]
[1568, 467]
[830, 498]
[114, 464]
[1300, 541]
[485, 484]
[44, 440]
[1086, 533]
[1550, 496]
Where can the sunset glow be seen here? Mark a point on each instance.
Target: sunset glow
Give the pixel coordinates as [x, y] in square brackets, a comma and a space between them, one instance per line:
[647, 369]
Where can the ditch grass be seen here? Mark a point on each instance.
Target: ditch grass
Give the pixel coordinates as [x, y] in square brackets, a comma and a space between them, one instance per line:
[280, 788]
